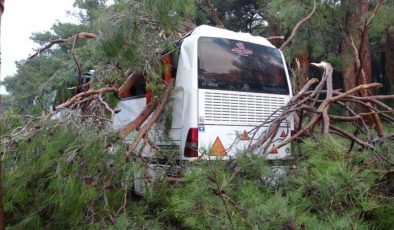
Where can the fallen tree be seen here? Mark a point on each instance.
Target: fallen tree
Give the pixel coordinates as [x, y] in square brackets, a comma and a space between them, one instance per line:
[311, 108]
[314, 105]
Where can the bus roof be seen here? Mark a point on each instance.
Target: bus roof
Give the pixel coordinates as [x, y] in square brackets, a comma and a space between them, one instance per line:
[210, 31]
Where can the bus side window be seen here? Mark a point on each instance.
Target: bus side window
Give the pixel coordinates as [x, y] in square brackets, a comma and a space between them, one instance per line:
[175, 58]
[134, 86]
[139, 88]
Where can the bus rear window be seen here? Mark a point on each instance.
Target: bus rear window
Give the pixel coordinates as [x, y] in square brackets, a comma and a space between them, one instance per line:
[226, 64]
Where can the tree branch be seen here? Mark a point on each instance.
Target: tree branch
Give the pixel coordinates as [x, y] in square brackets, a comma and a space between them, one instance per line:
[124, 89]
[351, 137]
[145, 129]
[215, 17]
[375, 11]
[295, 29]
[315, 118]
[275, 37]
[328, 76]
[138, 120]
[86, 94]
[85, 35]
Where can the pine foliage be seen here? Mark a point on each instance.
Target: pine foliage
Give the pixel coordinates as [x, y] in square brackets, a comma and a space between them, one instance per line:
[63, 176]
[73, 175]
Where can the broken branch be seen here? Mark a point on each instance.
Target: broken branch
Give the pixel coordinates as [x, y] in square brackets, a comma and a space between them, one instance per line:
[138, 120]
[144, 130]
[85, 35]
[74, 99]
[297, 26]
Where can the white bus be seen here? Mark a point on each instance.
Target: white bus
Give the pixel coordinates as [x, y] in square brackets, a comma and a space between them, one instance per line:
[226, 84]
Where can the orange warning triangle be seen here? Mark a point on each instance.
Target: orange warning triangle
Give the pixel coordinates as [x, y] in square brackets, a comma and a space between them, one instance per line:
[274, 150]
[283, 134]
[245, 136]
[218, 148]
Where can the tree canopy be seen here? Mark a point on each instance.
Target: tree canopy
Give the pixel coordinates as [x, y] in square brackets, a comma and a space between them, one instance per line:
[130, 34]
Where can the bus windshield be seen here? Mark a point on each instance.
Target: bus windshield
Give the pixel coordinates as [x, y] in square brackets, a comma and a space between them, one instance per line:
[226, 64]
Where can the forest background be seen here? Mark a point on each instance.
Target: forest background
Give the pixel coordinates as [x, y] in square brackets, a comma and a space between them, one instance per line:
[54, 180]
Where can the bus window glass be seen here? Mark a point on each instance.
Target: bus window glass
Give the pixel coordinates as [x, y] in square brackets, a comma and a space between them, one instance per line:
[226, 64]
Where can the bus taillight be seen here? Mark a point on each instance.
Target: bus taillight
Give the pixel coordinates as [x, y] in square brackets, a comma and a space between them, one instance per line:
[191, 146]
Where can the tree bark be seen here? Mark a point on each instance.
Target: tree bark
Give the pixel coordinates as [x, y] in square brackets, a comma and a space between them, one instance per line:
[364, 50]
[302, 60]
[352, 20]
[389, 58]
[356, 55]
[274, 30]
[357, 31]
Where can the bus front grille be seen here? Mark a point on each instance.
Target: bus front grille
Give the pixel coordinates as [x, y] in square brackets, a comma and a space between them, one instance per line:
[239, 108]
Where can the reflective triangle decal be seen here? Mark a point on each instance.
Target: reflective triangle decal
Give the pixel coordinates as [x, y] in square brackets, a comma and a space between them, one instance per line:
[245, 136]
[218, 148]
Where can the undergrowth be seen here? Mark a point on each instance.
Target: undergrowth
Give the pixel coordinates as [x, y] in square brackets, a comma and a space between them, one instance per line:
[69, 175]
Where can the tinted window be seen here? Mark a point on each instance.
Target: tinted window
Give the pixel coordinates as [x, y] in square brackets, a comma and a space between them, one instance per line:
[139, 88]
[226, 64]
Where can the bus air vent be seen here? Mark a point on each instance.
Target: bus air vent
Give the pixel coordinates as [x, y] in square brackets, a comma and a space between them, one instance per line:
[239, 108]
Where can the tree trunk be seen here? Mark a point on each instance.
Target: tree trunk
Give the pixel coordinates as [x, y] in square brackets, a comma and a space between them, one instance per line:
[347, 53]
[356, 56]
[364, 50]
[348, 65]
[389, 59]
[274, 30]
[354, 28]
[302, 59]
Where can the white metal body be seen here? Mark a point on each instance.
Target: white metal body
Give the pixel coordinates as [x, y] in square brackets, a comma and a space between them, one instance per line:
[222, 114]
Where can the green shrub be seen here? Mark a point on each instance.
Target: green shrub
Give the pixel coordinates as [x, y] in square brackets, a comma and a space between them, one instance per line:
[72, 175]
